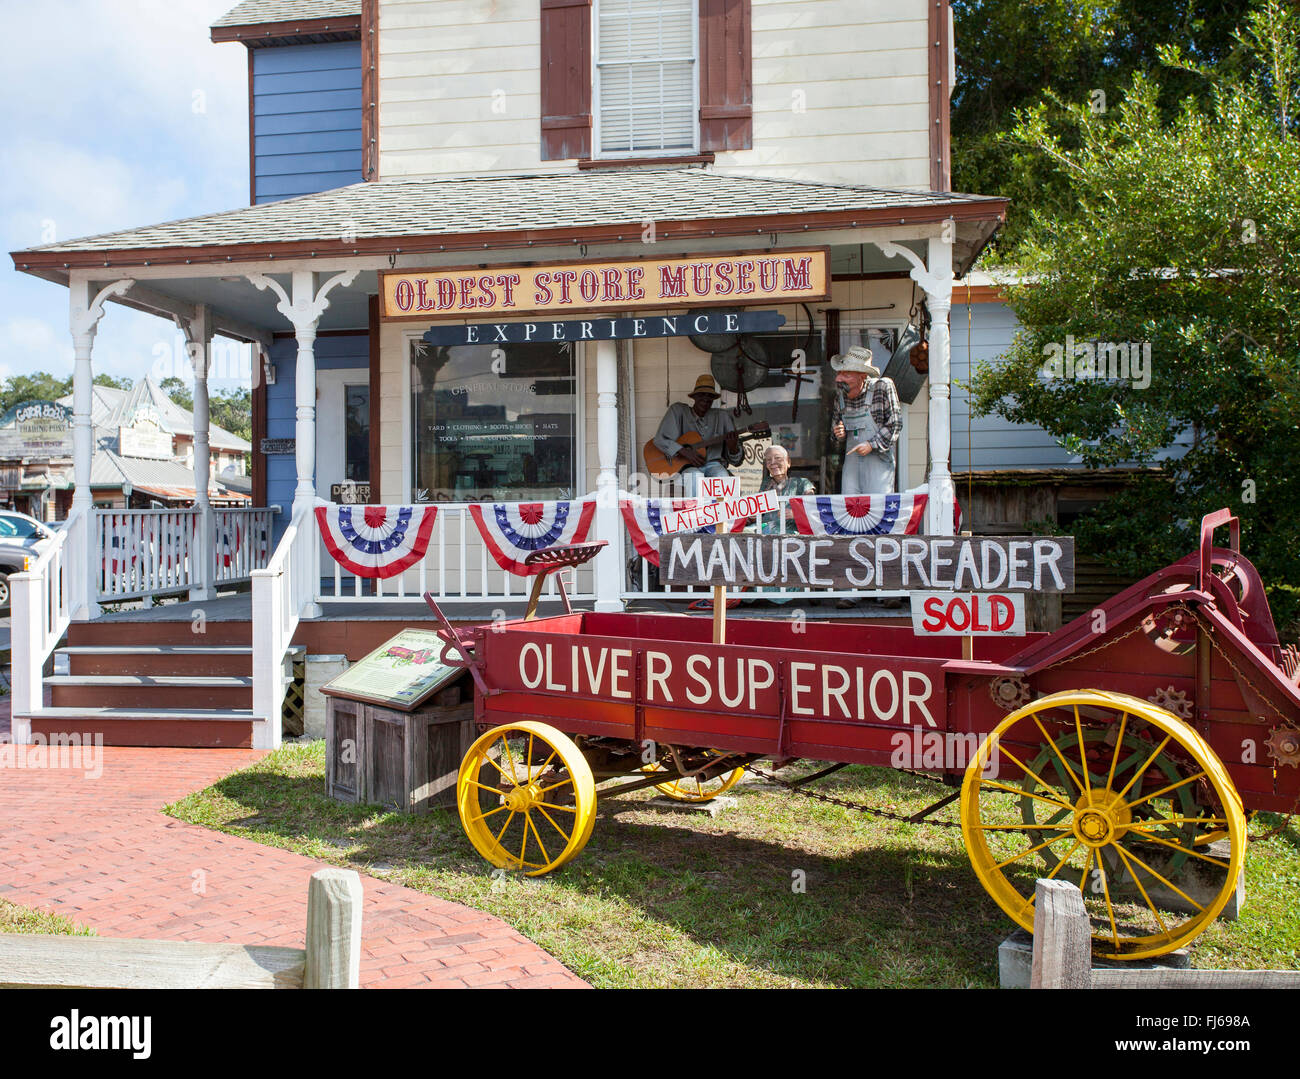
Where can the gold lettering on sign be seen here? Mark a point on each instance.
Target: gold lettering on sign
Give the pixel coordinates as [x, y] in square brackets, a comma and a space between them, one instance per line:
[607, 284]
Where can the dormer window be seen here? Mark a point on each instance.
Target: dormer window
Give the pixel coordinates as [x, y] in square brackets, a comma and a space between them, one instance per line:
[646, 77]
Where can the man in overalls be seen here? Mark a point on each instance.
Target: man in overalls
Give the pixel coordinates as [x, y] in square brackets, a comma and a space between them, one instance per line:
[868, 418]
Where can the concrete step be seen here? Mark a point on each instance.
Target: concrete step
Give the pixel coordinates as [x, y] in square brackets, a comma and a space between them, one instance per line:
[211, 728]
[159, 659]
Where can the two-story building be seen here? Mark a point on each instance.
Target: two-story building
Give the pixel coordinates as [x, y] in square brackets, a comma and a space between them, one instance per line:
[487, 246]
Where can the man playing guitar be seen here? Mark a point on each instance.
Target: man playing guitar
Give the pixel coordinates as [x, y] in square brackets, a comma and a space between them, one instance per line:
[710, 424]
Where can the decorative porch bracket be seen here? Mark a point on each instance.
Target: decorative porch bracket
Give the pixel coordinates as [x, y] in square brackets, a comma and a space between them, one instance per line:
[935, 278]
[198, 343]
[303, 309]
[86, 308]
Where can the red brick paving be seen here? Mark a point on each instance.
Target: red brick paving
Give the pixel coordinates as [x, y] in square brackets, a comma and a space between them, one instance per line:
[98, 851]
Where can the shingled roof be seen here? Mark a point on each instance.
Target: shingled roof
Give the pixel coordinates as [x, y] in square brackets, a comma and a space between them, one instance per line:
[254, 12]
[447, 213]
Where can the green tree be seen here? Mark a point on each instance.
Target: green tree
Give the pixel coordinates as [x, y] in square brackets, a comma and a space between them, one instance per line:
[1184, 234]
[110, 382]
[232, 410]
[1013, 55]
[178, 391]
[36, 387]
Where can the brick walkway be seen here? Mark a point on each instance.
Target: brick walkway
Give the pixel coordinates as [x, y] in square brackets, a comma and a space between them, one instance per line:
[99, 852]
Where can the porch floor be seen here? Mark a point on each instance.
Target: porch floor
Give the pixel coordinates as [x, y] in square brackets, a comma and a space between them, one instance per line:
[239, 608]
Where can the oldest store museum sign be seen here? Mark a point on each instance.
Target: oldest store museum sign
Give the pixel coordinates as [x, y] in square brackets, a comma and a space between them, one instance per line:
[608, 285]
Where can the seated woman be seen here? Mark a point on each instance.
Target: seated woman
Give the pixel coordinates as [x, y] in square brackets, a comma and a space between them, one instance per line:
[776, 462]
[778, 480]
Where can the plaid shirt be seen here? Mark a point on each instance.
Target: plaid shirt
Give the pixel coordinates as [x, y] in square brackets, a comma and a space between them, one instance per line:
[879, 397]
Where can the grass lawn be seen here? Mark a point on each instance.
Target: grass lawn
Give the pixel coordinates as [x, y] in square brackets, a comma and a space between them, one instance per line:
[16, 919]
[671, 899]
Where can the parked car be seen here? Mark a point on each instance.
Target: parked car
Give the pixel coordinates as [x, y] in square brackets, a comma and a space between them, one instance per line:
[21, 537]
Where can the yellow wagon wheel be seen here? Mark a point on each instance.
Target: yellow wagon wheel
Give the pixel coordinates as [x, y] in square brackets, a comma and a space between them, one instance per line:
[527, 797]
[1115, 795]
[693, 788]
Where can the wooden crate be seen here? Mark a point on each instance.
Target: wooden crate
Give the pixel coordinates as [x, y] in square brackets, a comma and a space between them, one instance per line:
[406, 761]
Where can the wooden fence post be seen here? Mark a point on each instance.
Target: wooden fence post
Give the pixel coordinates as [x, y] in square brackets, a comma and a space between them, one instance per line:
[333, 930]
[1062, 938]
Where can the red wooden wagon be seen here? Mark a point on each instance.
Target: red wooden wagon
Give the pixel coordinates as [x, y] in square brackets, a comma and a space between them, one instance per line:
[1121, 752]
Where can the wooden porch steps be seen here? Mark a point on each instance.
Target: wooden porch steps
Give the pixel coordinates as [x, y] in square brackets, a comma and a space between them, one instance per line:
[159, 659]
[138, 688]
[212, 728]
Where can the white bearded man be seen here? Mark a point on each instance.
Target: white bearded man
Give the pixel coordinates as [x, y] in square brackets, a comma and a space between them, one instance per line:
[869, 419]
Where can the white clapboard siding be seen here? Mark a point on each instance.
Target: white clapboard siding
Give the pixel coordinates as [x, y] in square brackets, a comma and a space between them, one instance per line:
[840, 89]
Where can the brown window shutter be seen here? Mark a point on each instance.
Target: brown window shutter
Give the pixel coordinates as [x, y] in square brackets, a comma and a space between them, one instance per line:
[566, 79]
[726, 80]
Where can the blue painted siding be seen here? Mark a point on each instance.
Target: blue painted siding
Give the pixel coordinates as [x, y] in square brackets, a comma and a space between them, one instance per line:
[306, 118]
[281, 420]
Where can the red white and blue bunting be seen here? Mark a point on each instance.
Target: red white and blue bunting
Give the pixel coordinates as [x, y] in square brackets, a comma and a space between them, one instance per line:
[376, 541]
[644, 520]
[514, 530]
[858, 515]
[863, 515]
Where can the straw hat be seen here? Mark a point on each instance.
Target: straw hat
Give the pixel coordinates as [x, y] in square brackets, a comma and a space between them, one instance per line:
[857, 359]
[705, 385]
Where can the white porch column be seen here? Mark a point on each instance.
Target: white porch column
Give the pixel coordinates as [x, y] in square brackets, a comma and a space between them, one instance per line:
[86, 308]
[198, 343]
[938, 295]
[304, 310]
[609, 563]
[935, 277]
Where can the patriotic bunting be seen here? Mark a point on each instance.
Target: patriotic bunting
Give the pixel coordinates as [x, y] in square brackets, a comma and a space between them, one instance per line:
[229, 538]
[858, 515]
[121, 548]
[644, 520]
[514, 530]
[376, 541]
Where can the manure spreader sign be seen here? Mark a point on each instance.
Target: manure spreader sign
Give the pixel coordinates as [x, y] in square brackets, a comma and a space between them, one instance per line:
[872, 563]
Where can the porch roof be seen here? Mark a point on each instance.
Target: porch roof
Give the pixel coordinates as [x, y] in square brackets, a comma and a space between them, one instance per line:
[252, 12]
[476, 213]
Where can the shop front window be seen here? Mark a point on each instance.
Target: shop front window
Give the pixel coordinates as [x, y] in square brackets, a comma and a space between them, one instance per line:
[493, 423]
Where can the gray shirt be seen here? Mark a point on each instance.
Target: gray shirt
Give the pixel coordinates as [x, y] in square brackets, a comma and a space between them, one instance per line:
[681, 418]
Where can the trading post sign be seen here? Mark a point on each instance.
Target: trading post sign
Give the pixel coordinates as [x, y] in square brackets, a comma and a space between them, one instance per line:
[871, 563]
[608, 285]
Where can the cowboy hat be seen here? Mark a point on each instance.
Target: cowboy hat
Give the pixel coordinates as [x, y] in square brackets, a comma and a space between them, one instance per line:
[705, 385]
[856, 359]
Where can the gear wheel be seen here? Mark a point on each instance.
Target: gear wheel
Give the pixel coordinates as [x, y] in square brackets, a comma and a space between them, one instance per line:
[1009, 692]
[1172, 700]
[1284, 746]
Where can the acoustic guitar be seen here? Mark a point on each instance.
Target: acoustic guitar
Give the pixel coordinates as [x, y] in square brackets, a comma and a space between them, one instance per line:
[657, 464]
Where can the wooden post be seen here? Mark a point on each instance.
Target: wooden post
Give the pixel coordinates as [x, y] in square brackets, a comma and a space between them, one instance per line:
[1062, 938]
[333, 930]
[719, 614]
[968, 642]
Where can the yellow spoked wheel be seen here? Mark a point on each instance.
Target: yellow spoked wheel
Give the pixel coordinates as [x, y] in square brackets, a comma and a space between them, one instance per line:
[527, 798]
[1117, 796]
[694, 788]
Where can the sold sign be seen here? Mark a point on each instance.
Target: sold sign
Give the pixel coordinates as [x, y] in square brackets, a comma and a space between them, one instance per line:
[965, 614]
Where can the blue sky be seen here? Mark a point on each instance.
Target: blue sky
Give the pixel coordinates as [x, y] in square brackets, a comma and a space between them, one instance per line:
[117, 114]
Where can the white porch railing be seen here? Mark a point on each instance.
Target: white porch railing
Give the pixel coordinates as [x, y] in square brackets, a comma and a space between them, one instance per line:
[281, 592]
[155, 552]
[42, 600]
[456, 567]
